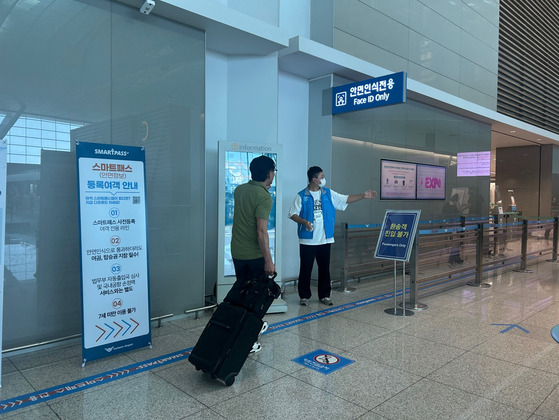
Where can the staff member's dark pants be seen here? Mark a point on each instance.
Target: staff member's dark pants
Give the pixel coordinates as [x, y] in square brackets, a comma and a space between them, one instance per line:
[307, 254]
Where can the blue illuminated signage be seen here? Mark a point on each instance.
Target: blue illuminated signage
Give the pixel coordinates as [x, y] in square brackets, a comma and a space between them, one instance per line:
[380, 91]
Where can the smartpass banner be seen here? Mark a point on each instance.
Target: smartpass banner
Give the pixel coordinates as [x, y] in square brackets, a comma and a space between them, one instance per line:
[113, 249]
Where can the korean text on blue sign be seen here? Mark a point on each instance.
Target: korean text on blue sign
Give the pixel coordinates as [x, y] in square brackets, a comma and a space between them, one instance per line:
[380, 91]
[397, 235]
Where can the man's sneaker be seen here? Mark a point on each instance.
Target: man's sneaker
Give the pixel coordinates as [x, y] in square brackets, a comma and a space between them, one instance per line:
[256, 347]
[264, 327]
[327, 301]
[304, 302]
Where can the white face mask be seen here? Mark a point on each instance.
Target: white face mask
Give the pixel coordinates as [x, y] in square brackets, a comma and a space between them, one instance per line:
[322, 182]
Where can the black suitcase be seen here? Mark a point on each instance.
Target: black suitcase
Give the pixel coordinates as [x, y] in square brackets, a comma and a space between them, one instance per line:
[226, 342]
[255, 295]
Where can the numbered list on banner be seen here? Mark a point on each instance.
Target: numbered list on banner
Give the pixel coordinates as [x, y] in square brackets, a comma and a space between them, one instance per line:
[114, 257]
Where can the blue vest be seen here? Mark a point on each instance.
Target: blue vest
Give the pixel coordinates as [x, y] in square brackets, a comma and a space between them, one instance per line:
[307, 213]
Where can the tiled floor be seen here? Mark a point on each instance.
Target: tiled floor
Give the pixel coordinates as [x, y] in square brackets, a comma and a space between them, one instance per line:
[446, 362]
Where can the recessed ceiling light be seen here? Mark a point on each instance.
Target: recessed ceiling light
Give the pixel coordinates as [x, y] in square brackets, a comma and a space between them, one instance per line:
[513, 131]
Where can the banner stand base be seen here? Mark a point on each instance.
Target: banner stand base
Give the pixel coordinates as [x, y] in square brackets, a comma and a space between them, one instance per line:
[278, 306]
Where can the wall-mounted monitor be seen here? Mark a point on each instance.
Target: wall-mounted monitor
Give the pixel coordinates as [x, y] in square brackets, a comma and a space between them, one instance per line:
[431, 182]
[473, 164]
[411, 181]
[397, 180]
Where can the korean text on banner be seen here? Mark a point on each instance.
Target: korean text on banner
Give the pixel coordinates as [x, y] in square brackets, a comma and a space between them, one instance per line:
[113, 249]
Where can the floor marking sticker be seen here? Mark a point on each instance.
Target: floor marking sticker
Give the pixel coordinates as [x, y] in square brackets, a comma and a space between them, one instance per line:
[555, 333]
[102, 378]
[323, 361]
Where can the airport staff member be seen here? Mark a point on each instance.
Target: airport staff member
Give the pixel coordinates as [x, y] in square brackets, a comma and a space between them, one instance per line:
[314, 211]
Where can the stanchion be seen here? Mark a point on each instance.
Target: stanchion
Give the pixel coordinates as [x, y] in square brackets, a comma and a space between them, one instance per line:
[343, 286]
[524, 250]
[555, 237]
[396, 310]
[412, 302]
[479, 260]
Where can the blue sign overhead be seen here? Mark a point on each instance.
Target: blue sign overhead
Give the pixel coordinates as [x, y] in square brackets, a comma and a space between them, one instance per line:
[396, 237]
[380, 91]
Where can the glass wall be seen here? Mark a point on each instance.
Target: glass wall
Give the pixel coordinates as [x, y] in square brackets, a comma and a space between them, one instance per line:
[98, 72]
[410, 132]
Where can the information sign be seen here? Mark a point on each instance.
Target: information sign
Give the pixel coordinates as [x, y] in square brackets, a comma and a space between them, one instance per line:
[397, 180]
[473, 164]
[3, 166]
[397, 234]
[113, 249]
[380, 91]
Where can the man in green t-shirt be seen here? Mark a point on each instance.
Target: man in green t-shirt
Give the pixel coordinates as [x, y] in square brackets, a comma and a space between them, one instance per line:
[250, 244]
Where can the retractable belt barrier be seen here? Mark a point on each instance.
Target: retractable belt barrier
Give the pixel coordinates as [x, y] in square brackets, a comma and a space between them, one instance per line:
[450, 252]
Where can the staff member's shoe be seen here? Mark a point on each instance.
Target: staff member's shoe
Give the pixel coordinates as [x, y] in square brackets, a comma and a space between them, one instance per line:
[327, 301]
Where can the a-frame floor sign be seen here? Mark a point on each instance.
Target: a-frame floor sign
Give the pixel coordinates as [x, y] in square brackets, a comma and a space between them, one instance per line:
[395, 242]
[113, 249]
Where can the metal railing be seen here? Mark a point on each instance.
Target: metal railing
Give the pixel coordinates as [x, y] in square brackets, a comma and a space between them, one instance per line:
[450, 252]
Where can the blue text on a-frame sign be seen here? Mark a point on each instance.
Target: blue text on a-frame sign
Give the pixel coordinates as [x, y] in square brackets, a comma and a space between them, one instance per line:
[370, 93]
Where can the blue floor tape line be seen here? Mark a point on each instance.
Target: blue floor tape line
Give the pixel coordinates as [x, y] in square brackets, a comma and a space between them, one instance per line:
[106, 377]
[103, 378]
[90, 382]
[326, 312]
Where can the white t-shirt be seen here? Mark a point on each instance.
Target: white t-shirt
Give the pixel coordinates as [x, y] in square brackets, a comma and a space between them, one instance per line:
[319, 236]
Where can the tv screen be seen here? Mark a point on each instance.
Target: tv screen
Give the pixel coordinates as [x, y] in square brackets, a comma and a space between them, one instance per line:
[431, 182]
[473, 164]
[397, 180]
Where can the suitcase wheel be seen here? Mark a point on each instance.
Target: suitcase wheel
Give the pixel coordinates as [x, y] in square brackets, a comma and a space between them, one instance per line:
[230, 381]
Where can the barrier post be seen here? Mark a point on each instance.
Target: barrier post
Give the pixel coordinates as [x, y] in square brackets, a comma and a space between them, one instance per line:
[412, 302]
[555, 238]
[495, 218]
[479, 259]
[345, 268]
[523, 249]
